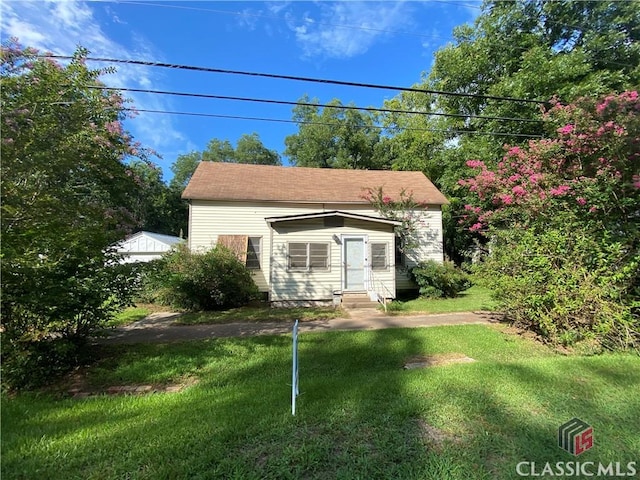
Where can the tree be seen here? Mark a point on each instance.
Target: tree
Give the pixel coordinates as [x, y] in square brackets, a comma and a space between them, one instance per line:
[530, 49]
[66, 196]
[157, 206]
[335, 137]
[249, 149]
[562, 215]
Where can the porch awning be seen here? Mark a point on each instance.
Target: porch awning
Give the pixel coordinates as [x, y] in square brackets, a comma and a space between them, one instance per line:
[334, 213]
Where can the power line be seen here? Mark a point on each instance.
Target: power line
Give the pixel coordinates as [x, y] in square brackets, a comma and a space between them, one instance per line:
[309, 104]
[302, 122]
[297, 78]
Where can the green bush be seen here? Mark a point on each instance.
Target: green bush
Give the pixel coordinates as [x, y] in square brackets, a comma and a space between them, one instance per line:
[567, 286]
[440, 280]
[214, 280]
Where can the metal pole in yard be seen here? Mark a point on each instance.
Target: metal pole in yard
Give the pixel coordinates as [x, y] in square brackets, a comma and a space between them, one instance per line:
[294, 373]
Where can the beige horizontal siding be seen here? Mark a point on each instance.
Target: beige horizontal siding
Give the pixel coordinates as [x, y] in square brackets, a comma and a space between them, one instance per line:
[320, 284]
[208, 219]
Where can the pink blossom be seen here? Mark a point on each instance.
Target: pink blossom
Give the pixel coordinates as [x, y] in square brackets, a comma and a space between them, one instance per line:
[471, 208]
[593, 209]
[581, 200]
[514, 151]
[636, 181]
[475, 227]
[113, 127]
[519, 191]
[506, 198]
[559, 190]
[515, 177]
[533, 178]
[567, 129]
[386, 200]
[475, 163]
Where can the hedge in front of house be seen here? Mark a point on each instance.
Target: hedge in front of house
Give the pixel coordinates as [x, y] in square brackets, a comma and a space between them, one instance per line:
[440, 280]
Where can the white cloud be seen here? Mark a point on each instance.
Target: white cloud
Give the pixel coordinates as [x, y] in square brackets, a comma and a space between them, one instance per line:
[347, 29]
[60, 26]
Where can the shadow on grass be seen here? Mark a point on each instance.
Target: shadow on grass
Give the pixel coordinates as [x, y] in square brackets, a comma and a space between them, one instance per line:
[360, 415]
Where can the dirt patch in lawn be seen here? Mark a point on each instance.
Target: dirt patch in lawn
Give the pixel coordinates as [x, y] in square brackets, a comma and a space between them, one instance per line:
[424, 361]
[435, 436]
[78, 387]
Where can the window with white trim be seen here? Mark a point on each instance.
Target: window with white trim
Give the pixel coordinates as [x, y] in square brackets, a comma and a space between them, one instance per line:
[308, 256]
[379, 256]
[254, 249]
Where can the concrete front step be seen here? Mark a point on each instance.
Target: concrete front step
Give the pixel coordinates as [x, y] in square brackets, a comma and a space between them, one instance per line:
[358, 300]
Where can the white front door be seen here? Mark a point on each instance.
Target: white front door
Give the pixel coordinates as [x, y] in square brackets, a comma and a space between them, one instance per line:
[354, 263]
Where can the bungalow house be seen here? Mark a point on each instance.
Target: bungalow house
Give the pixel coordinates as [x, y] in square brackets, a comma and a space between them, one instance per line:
[144, 246]
[310, 235]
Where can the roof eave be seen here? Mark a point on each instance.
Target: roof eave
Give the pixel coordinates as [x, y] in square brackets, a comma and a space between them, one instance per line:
[335, 213]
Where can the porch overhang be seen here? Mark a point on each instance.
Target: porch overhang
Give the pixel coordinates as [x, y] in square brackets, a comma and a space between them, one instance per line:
[334, 213]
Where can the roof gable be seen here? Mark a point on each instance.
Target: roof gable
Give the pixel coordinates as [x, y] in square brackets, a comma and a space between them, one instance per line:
[241, 182]
[147, 242]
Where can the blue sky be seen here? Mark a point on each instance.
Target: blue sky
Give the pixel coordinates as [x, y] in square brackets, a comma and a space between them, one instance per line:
[390, 43]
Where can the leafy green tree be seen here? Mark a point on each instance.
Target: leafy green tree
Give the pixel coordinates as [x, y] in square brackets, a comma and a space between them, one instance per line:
[157, 207]
[183, 168]
[66, 196]
[530, 49]
[249, 149]
[335, 137]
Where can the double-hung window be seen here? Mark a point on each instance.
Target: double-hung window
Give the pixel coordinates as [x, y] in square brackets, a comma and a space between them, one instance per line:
[379, 256]
[253, 253]
[308, 256]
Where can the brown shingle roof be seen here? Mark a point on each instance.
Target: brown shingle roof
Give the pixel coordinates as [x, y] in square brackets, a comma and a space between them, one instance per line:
[230, 181]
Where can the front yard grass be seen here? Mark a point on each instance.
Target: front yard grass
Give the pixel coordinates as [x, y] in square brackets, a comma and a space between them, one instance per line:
[260, 314]
[474, 299]
[359, 415]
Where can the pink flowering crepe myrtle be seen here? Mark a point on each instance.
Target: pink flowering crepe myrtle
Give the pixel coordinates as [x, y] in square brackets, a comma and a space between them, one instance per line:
[591, 165]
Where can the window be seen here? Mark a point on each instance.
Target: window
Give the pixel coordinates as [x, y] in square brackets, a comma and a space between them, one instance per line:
[378, 256]
[253, 253]
[400, 257]
[308, 256]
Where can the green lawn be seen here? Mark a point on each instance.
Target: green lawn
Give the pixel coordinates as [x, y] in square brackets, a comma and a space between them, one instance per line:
[129, 315]
[360, 414]
[261, 314]
[473, 299]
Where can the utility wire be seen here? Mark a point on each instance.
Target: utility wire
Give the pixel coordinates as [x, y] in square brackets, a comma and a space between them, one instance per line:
[297, 78]
[302, 122]
[310, 104]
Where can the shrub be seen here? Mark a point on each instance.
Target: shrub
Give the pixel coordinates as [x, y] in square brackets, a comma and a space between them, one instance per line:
[566, 286]
[214, 280]
[440, 280]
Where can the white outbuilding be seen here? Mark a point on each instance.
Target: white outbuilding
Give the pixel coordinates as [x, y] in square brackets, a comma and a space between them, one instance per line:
[145, 246]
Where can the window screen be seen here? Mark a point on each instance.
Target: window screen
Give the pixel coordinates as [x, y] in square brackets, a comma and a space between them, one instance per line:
[378, 256]
[306, 256]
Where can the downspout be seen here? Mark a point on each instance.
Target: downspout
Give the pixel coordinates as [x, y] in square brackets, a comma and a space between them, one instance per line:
[270, 262]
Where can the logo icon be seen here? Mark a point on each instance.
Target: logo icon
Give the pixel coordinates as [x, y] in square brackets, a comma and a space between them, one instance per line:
[575, 436]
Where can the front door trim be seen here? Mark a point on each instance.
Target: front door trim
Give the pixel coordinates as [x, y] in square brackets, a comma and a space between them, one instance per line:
[356, 286]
